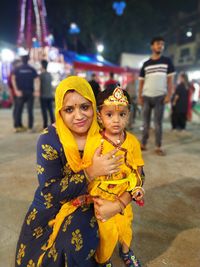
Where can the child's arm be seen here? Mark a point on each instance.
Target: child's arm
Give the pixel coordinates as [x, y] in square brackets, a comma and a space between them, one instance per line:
[138, 192]
[140, 170]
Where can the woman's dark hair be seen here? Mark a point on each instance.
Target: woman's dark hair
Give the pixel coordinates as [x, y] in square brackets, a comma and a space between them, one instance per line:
[102, 96]
[185, 79]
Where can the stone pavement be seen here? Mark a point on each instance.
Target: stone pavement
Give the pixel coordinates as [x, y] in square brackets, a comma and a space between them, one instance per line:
[166, 229]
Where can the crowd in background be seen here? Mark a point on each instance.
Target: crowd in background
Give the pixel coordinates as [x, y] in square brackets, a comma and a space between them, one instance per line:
[184, 99]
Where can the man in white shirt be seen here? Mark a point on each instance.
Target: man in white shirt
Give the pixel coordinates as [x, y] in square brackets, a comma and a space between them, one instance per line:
[155, 89]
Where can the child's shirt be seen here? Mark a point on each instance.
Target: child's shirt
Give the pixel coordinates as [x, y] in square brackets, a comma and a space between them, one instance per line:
[106, 186]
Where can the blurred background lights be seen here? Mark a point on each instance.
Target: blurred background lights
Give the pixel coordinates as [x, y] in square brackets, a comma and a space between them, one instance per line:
[7, 55]
[74, 29]
[119, 7]
[21, 51]
[189, 33]
[100, 48]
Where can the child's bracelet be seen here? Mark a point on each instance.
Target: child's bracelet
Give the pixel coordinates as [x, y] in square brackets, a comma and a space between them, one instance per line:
[138, 189]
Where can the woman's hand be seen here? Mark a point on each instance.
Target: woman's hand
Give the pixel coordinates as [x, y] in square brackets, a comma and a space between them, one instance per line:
[104, 164]
[105, 209]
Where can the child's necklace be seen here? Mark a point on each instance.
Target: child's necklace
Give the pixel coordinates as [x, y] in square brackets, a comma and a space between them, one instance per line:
[117, 142]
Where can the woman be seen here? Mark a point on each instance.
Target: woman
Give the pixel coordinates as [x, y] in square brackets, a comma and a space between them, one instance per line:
[180, 103]
[56, 231]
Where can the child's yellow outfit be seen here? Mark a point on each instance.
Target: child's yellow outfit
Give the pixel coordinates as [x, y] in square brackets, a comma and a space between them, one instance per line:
[117, 228]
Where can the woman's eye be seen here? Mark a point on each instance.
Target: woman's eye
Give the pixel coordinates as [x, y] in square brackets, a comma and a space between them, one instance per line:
[109, 115]
[68, 110]
[85, 107]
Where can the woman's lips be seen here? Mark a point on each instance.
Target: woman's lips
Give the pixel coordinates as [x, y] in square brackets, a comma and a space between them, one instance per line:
[81, 123]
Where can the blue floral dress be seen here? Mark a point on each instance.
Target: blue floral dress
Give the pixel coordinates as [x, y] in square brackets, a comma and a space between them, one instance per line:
[77, 239]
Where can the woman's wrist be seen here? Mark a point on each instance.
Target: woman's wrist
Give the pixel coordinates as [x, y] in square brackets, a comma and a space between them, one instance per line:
[121, 205]
[118, 207]
[88, 174]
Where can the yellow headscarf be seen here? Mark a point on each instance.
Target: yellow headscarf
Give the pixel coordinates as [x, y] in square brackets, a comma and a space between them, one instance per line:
[67, 139]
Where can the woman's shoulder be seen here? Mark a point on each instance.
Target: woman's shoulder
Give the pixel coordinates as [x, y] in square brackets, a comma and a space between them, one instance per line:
[49, 136]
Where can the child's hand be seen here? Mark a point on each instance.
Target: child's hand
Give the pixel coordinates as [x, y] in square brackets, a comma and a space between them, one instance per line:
[138, 193]
[138, 196]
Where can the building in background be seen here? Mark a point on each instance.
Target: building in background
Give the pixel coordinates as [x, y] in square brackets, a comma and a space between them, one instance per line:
[183, 43]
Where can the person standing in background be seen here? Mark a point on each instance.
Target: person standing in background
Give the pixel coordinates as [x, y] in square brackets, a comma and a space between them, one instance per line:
[111, 82]
[15, 64]
[95, 85]
[155, 89]
[180, 103]
[26, 85]
[46, 95]
[195, 97]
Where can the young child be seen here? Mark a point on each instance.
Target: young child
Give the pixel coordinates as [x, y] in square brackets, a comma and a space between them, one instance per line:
[113, 113]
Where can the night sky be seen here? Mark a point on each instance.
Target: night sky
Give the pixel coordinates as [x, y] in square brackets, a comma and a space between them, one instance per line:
[165, 9]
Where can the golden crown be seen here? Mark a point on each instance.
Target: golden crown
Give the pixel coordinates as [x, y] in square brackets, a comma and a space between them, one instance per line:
[117, 98]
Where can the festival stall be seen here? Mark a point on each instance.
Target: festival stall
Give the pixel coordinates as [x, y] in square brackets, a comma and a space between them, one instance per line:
[86, 64]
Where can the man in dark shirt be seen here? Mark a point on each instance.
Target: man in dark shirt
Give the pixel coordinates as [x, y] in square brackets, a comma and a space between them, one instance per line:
[95, 85]
[15, 64]
[46, 94]
[155, 89]
[24, 79]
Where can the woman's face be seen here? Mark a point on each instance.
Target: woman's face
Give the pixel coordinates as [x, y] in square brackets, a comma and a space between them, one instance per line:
[77, 113]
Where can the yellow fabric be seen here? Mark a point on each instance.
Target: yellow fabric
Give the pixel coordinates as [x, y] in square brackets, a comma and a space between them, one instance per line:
[117, 228]
[70, 146]
[72, 154]
[99, 186]
[65, 210]
[77, 163]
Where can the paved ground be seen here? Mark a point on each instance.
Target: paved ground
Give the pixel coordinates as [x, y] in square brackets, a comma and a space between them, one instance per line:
[166, 229]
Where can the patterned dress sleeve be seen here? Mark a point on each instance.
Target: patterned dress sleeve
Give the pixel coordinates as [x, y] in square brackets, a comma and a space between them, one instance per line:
[49, 168]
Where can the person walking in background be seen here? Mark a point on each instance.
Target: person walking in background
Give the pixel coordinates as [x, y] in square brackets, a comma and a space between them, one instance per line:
[14, 98]
[111, 82]
[155, 89]
[180, 103]
[25, 81]
[46, 95]
[95, 85]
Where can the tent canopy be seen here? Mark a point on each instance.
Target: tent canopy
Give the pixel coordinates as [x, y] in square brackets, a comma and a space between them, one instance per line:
[91, 62]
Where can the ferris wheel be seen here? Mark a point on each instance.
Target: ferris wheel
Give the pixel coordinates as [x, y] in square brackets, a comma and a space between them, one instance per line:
[33, 30]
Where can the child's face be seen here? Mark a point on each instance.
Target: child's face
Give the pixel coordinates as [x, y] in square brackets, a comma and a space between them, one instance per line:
[114, 118]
